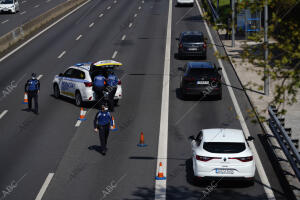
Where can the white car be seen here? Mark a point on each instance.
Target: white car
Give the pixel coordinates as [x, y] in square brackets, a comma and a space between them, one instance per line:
[185, 2]
[77, 81]
[222, 153]
[12, 6]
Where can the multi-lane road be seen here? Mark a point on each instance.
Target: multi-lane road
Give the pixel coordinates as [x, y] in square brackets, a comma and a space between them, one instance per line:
[29, 9]
[49, 156]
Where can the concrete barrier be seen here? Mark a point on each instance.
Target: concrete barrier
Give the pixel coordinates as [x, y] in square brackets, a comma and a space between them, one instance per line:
[26, 30]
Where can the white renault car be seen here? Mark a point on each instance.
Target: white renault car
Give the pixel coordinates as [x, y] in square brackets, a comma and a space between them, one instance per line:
[185, 2]
[222, 153]
[12, 6]
[77, 81]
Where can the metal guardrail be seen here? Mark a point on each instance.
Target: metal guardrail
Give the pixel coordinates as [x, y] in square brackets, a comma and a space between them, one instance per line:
[283, 137]
[213, 11]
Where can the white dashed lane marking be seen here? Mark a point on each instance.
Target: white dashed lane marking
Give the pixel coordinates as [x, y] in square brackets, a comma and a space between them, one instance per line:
[36, 6]
[130, 25]
[4, 21]
[3, 113]
[24, 1]
[101, 15]
[115, 2]
[22, 13]
[78, 123]
[39, 77]
[78, 37]
[44, 187]
[135, 15]
[62, 54]
[114, 55]
[91, 25]
[123, 37]
[140, 7]
[108, 8]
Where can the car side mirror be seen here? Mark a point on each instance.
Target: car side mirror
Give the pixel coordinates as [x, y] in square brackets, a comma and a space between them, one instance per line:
[192, 137]
[180, 69]
[250, 138]
[61, 74]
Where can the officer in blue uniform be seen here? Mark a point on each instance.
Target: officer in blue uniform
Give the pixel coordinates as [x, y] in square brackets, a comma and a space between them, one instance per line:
[112, 83]
[102, 123]
[99, 85]
[32, 87]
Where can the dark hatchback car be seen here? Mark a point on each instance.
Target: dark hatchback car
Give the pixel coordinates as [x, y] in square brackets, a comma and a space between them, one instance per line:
[201, 78]
[191, 43]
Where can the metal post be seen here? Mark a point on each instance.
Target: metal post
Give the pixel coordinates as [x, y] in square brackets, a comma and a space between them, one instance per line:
[266, 76]
[232, 24]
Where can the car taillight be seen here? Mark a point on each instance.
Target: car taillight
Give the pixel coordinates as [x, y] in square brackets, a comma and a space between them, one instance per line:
[205, 159]
[88, 84]
[119, 82]
[189, 79]
[180, 46]
[244, 159]
[204, 45]
[213, 79]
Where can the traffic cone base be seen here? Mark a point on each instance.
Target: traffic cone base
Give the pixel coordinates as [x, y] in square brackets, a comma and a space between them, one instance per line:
[160, 178]
[141, 145]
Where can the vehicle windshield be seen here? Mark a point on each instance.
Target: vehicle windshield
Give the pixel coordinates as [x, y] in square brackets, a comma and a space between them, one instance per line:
[192, 38]
[224, 147]
[201, 72]
[6, 1]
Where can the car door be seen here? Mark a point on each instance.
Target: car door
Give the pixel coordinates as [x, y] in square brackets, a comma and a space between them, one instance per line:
[67, 85]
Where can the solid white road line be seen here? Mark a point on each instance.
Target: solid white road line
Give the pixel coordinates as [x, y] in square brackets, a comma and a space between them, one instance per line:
[114, 55]
[62, 54]
[162, 153]
[101, 15]
[3, 113]
[4, 21]
[130, 25]
[259, 166]
[39, 77]
[78, 123]
[123, 37]
[135, 15]
[91, 25]
[22, 13]
[108, 8]
[36, 6]
[44, 187]
[40, 33]
[78, 37]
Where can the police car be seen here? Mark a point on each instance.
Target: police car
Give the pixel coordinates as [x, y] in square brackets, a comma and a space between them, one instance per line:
[77, 81]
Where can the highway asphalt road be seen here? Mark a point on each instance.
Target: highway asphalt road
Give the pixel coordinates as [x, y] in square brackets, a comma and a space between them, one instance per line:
[34, 147]
[29, 9]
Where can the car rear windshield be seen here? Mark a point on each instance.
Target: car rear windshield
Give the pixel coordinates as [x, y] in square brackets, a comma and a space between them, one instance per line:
[201, 72]
[224, 147]
[6, 2]
[192, 38]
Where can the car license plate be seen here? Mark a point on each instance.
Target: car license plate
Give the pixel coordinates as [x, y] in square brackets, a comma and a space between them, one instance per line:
[192, 49]
[224, 171]
[5, 9]
[202, 82]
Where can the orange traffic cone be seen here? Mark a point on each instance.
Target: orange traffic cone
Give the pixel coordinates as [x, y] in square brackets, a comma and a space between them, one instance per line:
[113, 127]
[160, 175]
[82, 115]
[142, 142]
[25, 98]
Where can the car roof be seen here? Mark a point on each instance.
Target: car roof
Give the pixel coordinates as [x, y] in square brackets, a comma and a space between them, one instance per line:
[200, 65]
[192, 33]
[82, 66]
[223, 135]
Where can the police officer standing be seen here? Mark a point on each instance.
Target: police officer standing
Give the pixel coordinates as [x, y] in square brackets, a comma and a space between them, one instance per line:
[32, 88]
[99, 85]
[112, 83]
[102, 123]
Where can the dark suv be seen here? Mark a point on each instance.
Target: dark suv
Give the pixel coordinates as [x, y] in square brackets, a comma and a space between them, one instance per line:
[191, 43]
[201, 78]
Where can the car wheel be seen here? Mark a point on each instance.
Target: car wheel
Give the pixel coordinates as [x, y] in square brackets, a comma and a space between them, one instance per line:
[56, 91]
[116, 101]
[219, 96]
[78, 99]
